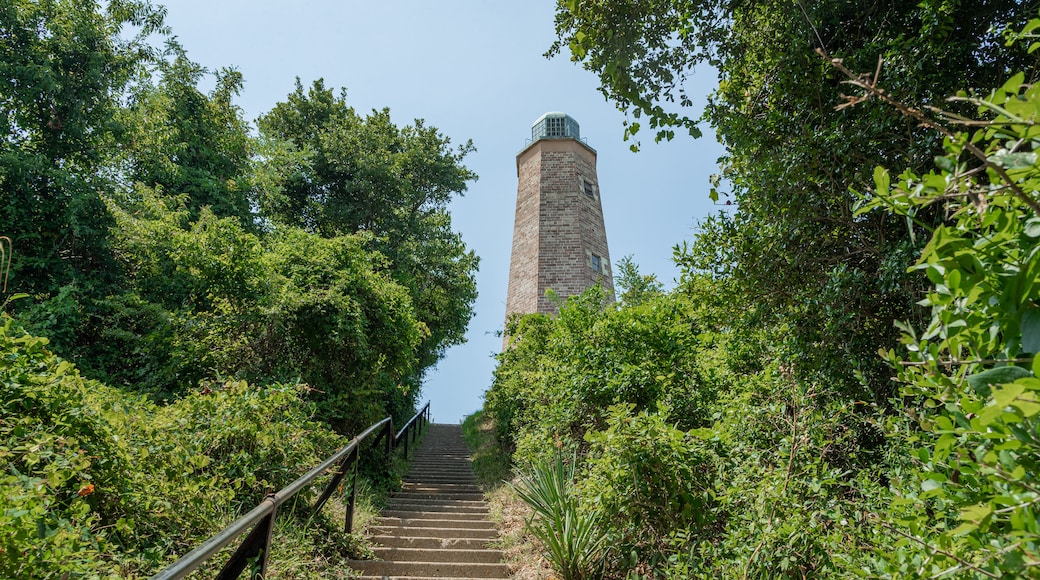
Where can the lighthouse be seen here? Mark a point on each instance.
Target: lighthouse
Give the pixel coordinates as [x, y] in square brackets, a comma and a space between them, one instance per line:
[559, 238]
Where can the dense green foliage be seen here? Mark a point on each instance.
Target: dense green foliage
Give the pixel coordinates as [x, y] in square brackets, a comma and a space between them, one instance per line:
[164, 257]
[793, 247]
[162, 244]
[185, 142]
[64, 68]
[339, 173]
[969, 500]
[704, 455]
[743, 424]
[100, 483]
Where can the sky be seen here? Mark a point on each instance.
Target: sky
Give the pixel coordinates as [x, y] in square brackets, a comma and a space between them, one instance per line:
[475, 70]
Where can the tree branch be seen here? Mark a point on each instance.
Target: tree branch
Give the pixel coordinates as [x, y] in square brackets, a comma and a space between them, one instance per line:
[870, 85]
[956, 363]
[953, 557]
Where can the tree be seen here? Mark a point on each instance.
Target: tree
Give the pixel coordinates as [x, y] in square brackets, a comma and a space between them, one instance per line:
[793, 245]
[636, 288]
[65, 64]
[347, 174]
[186, 142]
[967, 503]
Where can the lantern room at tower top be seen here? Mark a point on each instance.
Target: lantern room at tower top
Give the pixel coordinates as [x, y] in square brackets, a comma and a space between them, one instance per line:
[556, 125]
[555, 131]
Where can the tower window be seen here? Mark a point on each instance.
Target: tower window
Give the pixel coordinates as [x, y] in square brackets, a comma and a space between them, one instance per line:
[596, 263]
[588, 188]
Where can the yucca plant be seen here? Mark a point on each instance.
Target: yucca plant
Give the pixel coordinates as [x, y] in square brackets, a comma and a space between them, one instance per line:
[572, 537]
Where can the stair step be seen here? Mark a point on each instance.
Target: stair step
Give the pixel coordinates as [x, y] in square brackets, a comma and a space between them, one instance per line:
[440, 474]
[411, 499]
[467, 496]
[438, 516]
[479, 556]
[439, 478]
[434, 523]
[483, 533]
[450, 477]
[436, 506]
[456, 482]
[437, 526]
[430, 569]
[436, 543]
[413, 478]
[424, 496]
[415, 486]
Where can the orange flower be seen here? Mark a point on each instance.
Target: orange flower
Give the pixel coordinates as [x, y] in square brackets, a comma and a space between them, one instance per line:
[86, 490]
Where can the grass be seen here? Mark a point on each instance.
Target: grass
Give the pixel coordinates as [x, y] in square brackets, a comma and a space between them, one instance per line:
[490, 463]
[493, 469]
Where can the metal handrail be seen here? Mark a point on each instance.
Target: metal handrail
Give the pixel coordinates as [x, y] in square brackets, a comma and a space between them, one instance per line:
[260, 520]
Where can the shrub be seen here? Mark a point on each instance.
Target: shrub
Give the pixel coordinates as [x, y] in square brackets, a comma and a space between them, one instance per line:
[98, 482]
[649, 480]
[570, 532]
[966, 502]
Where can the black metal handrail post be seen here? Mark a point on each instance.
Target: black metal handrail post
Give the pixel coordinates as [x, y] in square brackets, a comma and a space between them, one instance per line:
[409, 429]
[259, 522]
[348, 524]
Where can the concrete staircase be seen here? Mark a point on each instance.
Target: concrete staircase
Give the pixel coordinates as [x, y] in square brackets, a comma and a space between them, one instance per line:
[436, 526]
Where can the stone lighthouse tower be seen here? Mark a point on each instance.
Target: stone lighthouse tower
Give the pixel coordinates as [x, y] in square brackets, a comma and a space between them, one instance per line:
[559, 240]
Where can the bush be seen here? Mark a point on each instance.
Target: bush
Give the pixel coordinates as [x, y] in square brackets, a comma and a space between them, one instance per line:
[648, 480]
[60, 463]
[561, 374]
[966, 501]
[98, 482]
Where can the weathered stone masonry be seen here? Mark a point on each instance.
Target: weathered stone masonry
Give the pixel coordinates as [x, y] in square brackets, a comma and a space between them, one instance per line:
[559, 239]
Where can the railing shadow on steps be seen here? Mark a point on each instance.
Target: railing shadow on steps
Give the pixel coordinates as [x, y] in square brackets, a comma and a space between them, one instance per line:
[254, 549]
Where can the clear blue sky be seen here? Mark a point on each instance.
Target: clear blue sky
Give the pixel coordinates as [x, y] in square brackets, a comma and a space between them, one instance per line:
[475, 70]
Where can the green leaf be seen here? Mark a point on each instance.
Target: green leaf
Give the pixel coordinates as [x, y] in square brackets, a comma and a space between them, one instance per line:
[1032, 227]
[1026, 407]
[943, 446]
[882, 181]
[963, 529]
[946, 164]
[1019, 160]
[1031, 330]
[1006, 394]
[930, 484]
[1014, 83]
[990, 414]
[980, 382]
[975, 513]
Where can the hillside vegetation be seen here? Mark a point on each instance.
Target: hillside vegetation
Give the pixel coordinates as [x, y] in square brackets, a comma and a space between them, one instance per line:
[196, 311]
[843, 382]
